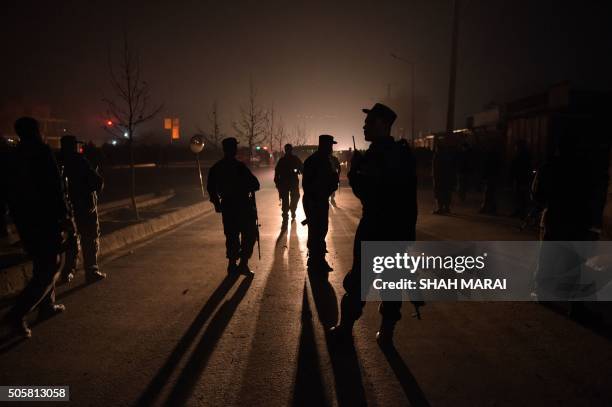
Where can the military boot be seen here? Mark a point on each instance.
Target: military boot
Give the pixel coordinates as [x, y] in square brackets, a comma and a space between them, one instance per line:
[231, 267]
[318, 265]
[22, 329]
[341, 334]
[384, 336]
[66, 278]
[243, 268]
[18, 325]
[94, 275]
[49, 311]
[325, 266]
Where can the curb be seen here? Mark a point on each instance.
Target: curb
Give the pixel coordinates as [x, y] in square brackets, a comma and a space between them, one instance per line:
[14, 279]
[142, 201]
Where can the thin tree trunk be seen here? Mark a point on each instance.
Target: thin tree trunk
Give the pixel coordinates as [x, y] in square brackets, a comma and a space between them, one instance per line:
[133, 181]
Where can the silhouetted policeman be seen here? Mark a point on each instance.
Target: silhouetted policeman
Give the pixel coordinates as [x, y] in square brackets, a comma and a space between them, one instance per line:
[231, 186]
[84, 184]
[319, 181]
[520, 172]
[287, 183]
[443, 171]
[338, 169]
[36, 201]
[572, 188]
[464, 170]
[491, 176]
[384, 179]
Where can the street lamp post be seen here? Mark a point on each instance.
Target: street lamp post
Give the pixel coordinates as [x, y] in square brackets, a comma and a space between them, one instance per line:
[450, 114]
[411, 63]
[196, 145]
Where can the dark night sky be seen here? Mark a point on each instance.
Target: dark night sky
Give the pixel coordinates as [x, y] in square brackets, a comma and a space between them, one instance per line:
[317, 62]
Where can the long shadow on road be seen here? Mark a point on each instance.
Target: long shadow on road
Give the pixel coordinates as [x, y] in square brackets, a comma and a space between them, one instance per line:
[272, 328]
[346, 360]
[411, 388]
[156, 385]
[309, 387]
[190, 375]
[326, 302]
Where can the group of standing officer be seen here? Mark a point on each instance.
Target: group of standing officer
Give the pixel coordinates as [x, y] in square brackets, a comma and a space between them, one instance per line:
[383, 178]
[44, 201]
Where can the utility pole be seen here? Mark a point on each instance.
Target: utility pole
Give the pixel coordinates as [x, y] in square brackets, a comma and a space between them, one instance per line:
[412, 74]
[450, 114]
[412, 103]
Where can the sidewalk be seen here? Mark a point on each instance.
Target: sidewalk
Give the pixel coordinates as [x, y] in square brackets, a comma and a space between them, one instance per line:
[118, 229]
[510, 227]
[11, 252]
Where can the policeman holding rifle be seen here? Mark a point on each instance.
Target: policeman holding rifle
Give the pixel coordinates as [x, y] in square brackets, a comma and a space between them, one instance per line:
[384, 180]
[231, 187]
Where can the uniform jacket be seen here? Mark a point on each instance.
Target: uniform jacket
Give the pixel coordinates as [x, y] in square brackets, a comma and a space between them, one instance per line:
[286, 172]
[84, 183]
[320, 177]
[33, 189]
[229, 183]
[384, 179]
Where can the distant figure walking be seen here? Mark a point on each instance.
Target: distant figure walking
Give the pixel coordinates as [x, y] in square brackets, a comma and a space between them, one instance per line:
[36, 201]
[287, 182]
[491, 176]
[384, 180]
[443, 172]
[231, 187]
[84, 184]
[464, 170]
[320, 180]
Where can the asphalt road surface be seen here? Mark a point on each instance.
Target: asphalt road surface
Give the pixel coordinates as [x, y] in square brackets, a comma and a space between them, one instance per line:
[169, 327]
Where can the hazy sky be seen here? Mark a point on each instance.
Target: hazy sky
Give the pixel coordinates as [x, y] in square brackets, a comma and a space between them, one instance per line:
[317, 62]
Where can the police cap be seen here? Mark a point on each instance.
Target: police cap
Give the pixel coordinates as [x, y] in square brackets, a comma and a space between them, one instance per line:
[229, 142]
[382, 111]
[326, 139]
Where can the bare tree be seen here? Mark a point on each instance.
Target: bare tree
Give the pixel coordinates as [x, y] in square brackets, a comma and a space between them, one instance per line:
[130, 106]
[280, 135]
[251, 126]
[300, 138]
[270, 127]
[215, 136]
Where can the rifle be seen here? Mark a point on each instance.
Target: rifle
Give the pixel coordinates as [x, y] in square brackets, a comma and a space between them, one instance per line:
[256, 224]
